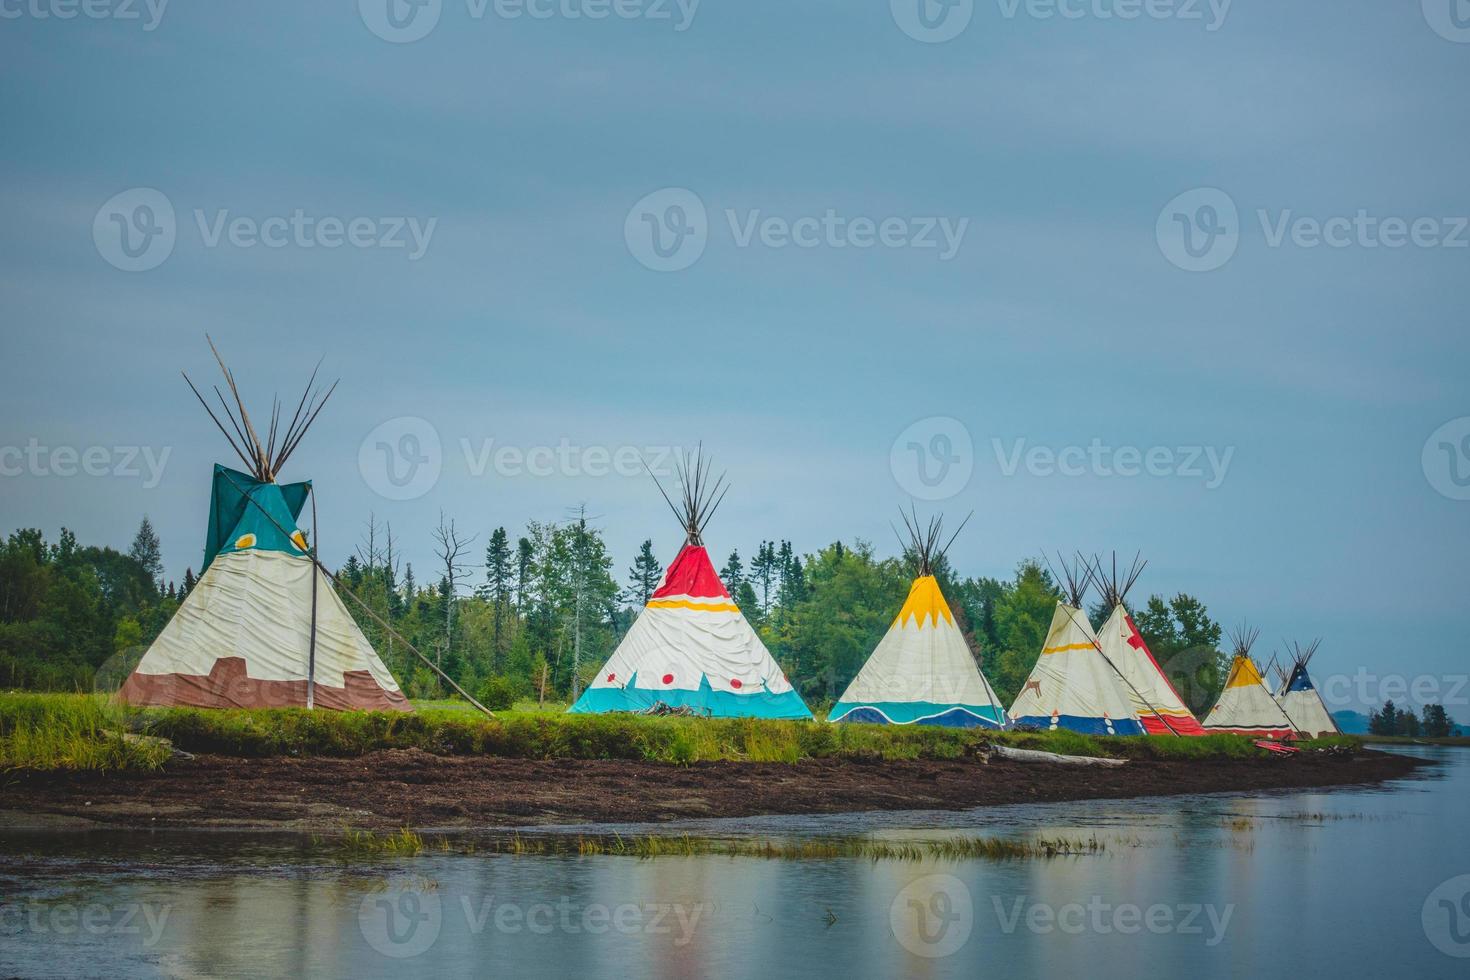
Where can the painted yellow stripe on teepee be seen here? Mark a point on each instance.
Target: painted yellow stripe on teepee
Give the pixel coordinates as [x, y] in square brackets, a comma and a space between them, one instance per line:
[1067, 646]
[925, 602]
[696, 606]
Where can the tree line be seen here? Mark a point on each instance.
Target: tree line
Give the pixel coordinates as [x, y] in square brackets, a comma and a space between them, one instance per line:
[535, 614]
[1432, 722]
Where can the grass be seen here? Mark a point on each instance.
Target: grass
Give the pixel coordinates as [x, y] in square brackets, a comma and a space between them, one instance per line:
[41, 731]
[365, 844]
[51, 731]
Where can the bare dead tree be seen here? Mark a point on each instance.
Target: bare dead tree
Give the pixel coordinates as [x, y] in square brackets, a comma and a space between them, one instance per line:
[451, 549]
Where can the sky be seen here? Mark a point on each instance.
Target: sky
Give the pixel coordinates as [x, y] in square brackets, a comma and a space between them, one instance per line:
[1180, 279]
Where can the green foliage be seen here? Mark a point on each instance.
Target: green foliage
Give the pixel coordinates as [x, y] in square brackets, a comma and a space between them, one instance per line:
[1402, 722]
[1186, 643]
[498, 693]
[50, 731]
[61, 608]
[85, 731]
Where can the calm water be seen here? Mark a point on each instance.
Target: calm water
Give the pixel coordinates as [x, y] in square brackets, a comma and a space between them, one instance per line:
[1340, 883]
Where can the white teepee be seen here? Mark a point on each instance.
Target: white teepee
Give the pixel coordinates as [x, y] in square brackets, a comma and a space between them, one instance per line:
[1300, 699]
[1072, 685]
[263, 627]
[1245, 707]
[691, 647]
[1159, 707]
[922, 670]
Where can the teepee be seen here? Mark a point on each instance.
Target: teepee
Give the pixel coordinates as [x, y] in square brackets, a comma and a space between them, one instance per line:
[922, 670]
[1159, 707]
[263, 628]
[1245, 706]
[1073, 685]
[1300, 699]
[691, 647]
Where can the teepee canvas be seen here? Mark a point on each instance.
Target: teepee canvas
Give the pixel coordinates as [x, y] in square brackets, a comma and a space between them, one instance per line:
[691, 647]
[1159, 707]
[263, 627]
[1300, 700]
[922, 670]
[1245, 707]
[1072, 685]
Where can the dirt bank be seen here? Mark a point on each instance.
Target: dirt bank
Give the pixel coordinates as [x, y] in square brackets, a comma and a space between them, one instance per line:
[410, 788]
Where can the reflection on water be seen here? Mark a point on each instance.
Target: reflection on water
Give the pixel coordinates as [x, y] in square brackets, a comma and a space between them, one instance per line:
[1317, 883]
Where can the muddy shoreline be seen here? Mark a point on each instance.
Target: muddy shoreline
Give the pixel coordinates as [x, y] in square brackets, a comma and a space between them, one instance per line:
[410, 788]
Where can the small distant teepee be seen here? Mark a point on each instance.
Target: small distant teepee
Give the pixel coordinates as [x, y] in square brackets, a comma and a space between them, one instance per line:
[263, 626]
[1300, 699]
[1073, 685]
[1245, 707]
[922, 671]
[691, 647]
[1160, 708]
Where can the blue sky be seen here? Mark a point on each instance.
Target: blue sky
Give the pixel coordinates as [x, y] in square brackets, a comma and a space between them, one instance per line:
[1062, 317]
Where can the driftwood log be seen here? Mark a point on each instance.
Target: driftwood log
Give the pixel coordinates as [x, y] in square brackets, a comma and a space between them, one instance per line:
[1050, 758]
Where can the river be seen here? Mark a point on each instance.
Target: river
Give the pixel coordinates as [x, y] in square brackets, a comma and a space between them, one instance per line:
[1323, 883]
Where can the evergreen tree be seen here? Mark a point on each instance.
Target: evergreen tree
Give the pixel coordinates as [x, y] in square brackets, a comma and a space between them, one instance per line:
[1436, 723]
[525, 556]
[644, 575]
[1384, 721]
[496, 589]
[146, 552]
[765, 570]
[189, 582]
[733, 574]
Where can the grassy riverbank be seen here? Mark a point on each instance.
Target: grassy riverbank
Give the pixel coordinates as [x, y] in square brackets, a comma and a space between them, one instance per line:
[78, 731]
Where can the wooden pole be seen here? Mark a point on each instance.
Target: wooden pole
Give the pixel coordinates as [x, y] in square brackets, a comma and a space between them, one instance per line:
[311, 649]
